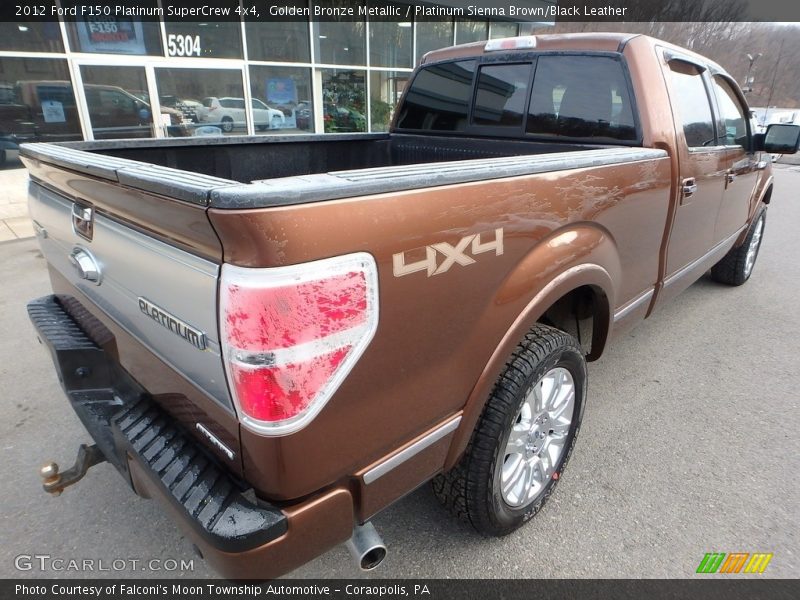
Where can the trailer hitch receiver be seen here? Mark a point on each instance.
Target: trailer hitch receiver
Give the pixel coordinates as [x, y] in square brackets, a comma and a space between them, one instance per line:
[54, 482]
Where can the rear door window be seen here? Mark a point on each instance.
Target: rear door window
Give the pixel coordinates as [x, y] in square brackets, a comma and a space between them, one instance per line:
[501, 95]
[439, 97]
[581, 97]
[691, 101]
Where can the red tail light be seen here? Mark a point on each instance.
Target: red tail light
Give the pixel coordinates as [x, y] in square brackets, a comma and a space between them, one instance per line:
[290, 336]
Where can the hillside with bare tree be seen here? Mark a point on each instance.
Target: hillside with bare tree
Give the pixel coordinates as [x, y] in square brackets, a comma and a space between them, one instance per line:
[775, 73]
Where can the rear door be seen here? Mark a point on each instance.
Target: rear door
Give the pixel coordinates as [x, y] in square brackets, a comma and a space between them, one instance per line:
[741, 174]
[702, 165]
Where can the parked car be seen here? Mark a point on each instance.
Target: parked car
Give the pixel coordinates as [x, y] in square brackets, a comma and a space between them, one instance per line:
[311, 328]
[193, 110]
[115, 112]
[46, 110]
[229, 113]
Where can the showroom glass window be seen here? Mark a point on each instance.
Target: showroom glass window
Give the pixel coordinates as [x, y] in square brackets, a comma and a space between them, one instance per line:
[499, 29]
[342, 41]
[32, 36]
[390, 41]
[432, 35]
[471, 31]
[205, 39]
[116, 35]
[386, 89]
[273, 39]
[118, 102]
[211, 99]
[37, 102]
[285, 89]
[344, 95]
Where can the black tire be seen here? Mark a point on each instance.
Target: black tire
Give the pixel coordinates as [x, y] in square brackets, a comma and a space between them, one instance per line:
[733, 268]
[227, 124]
[471, 490]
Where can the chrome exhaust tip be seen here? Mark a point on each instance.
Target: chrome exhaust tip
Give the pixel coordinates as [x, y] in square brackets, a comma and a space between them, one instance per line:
[366, 547]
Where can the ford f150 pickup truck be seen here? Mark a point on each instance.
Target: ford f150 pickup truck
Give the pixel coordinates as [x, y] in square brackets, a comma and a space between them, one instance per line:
[278, 337]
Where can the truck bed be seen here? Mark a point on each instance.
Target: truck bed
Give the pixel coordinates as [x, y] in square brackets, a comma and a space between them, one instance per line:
[259, 171]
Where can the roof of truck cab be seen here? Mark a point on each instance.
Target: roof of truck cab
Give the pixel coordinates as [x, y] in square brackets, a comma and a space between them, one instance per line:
[603, 42]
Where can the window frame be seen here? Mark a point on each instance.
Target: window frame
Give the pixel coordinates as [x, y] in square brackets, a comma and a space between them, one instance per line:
[505, 132]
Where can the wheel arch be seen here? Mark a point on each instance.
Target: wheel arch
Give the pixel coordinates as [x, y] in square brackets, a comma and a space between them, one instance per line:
[593, 272]
[763, 196]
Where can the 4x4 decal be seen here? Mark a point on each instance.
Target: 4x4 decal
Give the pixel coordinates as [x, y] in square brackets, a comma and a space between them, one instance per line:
[462, 253]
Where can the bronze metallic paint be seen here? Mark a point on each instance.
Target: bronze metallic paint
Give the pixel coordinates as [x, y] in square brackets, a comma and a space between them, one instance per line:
[608, 216]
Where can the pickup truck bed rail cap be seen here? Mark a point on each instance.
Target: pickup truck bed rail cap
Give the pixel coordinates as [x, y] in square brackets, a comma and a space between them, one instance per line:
[196, 188]
[380, 180]
[216, 192]
[175, 183]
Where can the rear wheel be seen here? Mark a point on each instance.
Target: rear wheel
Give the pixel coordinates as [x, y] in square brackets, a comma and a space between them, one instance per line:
[524, 437]
[737, 265]
[227, 124]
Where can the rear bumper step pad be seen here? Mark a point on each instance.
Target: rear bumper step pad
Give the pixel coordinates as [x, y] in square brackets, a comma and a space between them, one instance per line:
[127, 424]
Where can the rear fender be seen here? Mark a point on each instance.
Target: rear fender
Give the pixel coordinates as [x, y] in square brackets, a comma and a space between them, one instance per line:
[583, 255]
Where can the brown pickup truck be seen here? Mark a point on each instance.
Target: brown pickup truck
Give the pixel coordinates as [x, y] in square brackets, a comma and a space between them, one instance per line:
[278, 337]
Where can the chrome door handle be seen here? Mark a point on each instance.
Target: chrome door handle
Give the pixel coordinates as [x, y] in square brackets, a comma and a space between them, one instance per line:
[761, 165]
[689, 187]
[730, 177]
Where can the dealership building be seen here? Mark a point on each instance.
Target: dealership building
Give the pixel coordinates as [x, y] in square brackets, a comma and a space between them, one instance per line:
[110, 76]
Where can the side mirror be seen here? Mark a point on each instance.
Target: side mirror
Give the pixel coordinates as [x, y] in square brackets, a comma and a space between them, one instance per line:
[781, 139]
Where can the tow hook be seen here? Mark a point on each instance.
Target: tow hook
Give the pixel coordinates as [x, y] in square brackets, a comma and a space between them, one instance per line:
[54, 482]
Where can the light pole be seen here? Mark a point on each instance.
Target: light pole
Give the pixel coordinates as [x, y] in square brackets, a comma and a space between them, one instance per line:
[774, 77]
[748, 80]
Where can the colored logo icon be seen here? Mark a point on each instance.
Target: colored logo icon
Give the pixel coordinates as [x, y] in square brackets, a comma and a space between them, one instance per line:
[736, 562]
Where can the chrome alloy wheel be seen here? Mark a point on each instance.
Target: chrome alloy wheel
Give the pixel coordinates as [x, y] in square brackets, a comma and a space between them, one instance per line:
[752, 250]
[538, 438]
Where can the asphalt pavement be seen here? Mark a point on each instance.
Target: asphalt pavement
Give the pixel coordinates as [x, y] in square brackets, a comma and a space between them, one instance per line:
[689, 445]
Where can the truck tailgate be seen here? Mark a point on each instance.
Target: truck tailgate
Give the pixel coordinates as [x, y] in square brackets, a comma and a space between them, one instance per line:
[156, 296]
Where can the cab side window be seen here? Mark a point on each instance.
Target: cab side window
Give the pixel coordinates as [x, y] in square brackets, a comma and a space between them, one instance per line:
[690, 98]
[733, 127]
